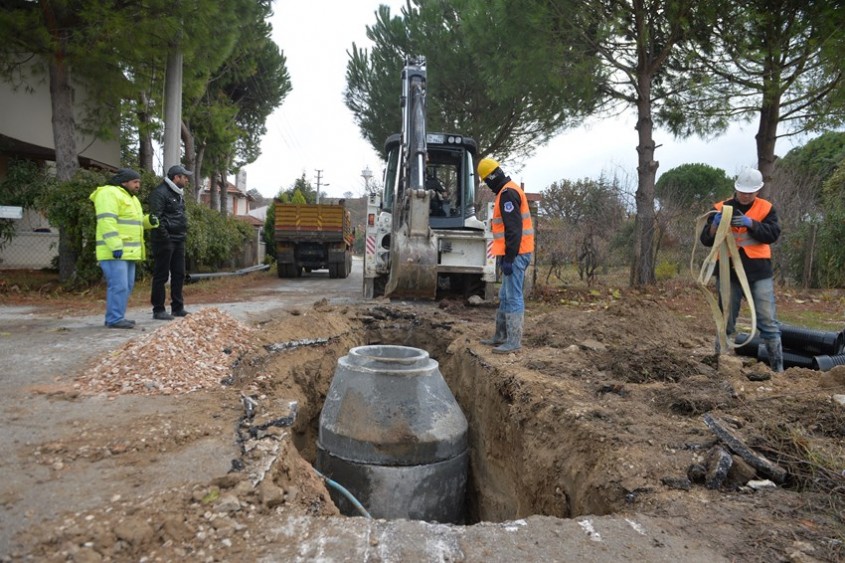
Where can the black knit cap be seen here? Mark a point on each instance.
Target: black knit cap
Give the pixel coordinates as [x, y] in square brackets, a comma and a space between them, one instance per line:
[124, 175]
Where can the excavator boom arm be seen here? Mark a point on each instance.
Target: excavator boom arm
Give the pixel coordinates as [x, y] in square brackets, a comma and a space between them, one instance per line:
[413, 248]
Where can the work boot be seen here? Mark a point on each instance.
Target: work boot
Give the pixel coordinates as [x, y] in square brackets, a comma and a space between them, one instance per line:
[162, 316]
[513, 324]
[775, 350]
[501, 332]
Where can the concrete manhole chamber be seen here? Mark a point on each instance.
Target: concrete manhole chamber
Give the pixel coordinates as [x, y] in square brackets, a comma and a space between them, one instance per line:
[393, 434]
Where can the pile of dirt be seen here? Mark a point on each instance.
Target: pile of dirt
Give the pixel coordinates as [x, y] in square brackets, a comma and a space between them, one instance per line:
[185, 355]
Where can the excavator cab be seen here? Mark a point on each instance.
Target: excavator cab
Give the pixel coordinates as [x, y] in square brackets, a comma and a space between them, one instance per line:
[449, 179]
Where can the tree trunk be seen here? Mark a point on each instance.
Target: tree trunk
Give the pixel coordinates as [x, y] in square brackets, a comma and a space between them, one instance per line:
[767, 131]
[224, 192]
[642, 269]
[197, 168]
[64, 140]
[191, 157]
[145, 137]
[214, 191]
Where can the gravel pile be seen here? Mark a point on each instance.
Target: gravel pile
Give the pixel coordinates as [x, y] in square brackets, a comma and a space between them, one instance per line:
[187, 354]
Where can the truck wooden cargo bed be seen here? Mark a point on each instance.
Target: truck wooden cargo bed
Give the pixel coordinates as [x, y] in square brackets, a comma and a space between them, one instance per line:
[309, 222]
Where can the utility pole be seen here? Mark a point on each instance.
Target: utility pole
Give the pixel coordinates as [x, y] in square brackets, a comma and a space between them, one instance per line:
[173, 109]
[319, 177]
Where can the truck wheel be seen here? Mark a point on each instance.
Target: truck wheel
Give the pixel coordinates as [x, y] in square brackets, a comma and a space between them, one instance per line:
[332, 271]
[288, 270]
[342, 269]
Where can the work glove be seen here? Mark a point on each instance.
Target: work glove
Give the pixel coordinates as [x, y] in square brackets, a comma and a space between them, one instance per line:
[741, 220]
[118, 254]
[507, 267]
[717, 218]
[154, 221]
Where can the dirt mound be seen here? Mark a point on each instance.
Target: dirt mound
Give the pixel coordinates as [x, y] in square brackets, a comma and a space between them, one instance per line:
[182, 356]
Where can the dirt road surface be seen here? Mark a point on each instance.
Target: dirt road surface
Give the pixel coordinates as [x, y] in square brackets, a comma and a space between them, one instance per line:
[117, 448]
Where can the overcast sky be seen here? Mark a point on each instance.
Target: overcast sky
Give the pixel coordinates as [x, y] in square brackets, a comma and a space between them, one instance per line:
[314, 131]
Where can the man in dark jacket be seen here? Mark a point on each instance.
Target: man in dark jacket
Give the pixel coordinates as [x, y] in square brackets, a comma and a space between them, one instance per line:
[755, 227]
[167, 202]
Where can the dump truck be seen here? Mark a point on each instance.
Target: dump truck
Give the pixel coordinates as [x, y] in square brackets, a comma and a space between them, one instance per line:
[313, 237]
[423, 239]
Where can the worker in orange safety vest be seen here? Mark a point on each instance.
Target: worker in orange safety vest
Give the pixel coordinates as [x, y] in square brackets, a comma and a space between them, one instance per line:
[513, 244]
[754, 226]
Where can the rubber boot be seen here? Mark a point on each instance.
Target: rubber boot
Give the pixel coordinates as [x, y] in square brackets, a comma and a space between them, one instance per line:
[513, 322]
[775, 351]
[501, 332]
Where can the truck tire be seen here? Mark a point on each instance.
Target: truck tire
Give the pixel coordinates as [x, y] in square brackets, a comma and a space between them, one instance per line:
[288, 270]
[341, 269]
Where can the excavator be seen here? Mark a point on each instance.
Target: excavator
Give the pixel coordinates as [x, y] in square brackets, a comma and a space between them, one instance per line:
[423, 239]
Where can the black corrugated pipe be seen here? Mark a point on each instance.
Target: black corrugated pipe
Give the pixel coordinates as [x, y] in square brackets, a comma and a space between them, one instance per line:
[749, 349]
[790, 359]
[826, 363]
[812, 342]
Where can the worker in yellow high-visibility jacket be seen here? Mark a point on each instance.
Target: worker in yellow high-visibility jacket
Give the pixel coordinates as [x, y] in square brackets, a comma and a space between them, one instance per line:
[120, 240]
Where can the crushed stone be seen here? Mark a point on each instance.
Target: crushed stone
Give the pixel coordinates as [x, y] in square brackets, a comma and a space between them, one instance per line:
[185, 355]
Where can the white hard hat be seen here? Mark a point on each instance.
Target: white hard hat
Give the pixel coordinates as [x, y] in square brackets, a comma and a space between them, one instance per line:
[749, 181]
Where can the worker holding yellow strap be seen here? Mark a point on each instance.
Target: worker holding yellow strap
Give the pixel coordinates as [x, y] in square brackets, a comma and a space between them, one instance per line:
[754, 226]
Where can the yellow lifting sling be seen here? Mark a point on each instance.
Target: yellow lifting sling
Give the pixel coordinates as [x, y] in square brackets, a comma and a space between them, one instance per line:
[726, 253]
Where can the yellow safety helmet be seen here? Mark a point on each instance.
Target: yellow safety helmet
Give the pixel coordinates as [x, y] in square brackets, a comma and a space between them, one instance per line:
[486, 166]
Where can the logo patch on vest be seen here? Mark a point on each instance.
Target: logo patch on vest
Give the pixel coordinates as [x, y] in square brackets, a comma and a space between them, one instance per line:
[508, 207]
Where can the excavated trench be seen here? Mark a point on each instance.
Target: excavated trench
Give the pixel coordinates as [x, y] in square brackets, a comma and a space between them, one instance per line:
[518, 466]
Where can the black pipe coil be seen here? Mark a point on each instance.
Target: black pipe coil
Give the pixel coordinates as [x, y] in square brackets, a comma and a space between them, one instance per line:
[749, 349]
[826, 363]
[812, 342]
[790, 359]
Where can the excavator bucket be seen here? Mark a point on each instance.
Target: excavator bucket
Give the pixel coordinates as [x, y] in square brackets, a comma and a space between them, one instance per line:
[413, 253]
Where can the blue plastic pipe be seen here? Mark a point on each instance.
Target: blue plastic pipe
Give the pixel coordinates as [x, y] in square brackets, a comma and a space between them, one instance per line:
[342, 490]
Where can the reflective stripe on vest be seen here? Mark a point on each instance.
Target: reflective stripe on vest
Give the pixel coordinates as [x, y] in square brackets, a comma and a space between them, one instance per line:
[752, 247]
[526, 244]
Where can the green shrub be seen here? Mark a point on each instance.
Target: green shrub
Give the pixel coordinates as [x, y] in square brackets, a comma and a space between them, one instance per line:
[665, 270]
[22, 185]
[213, 239]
